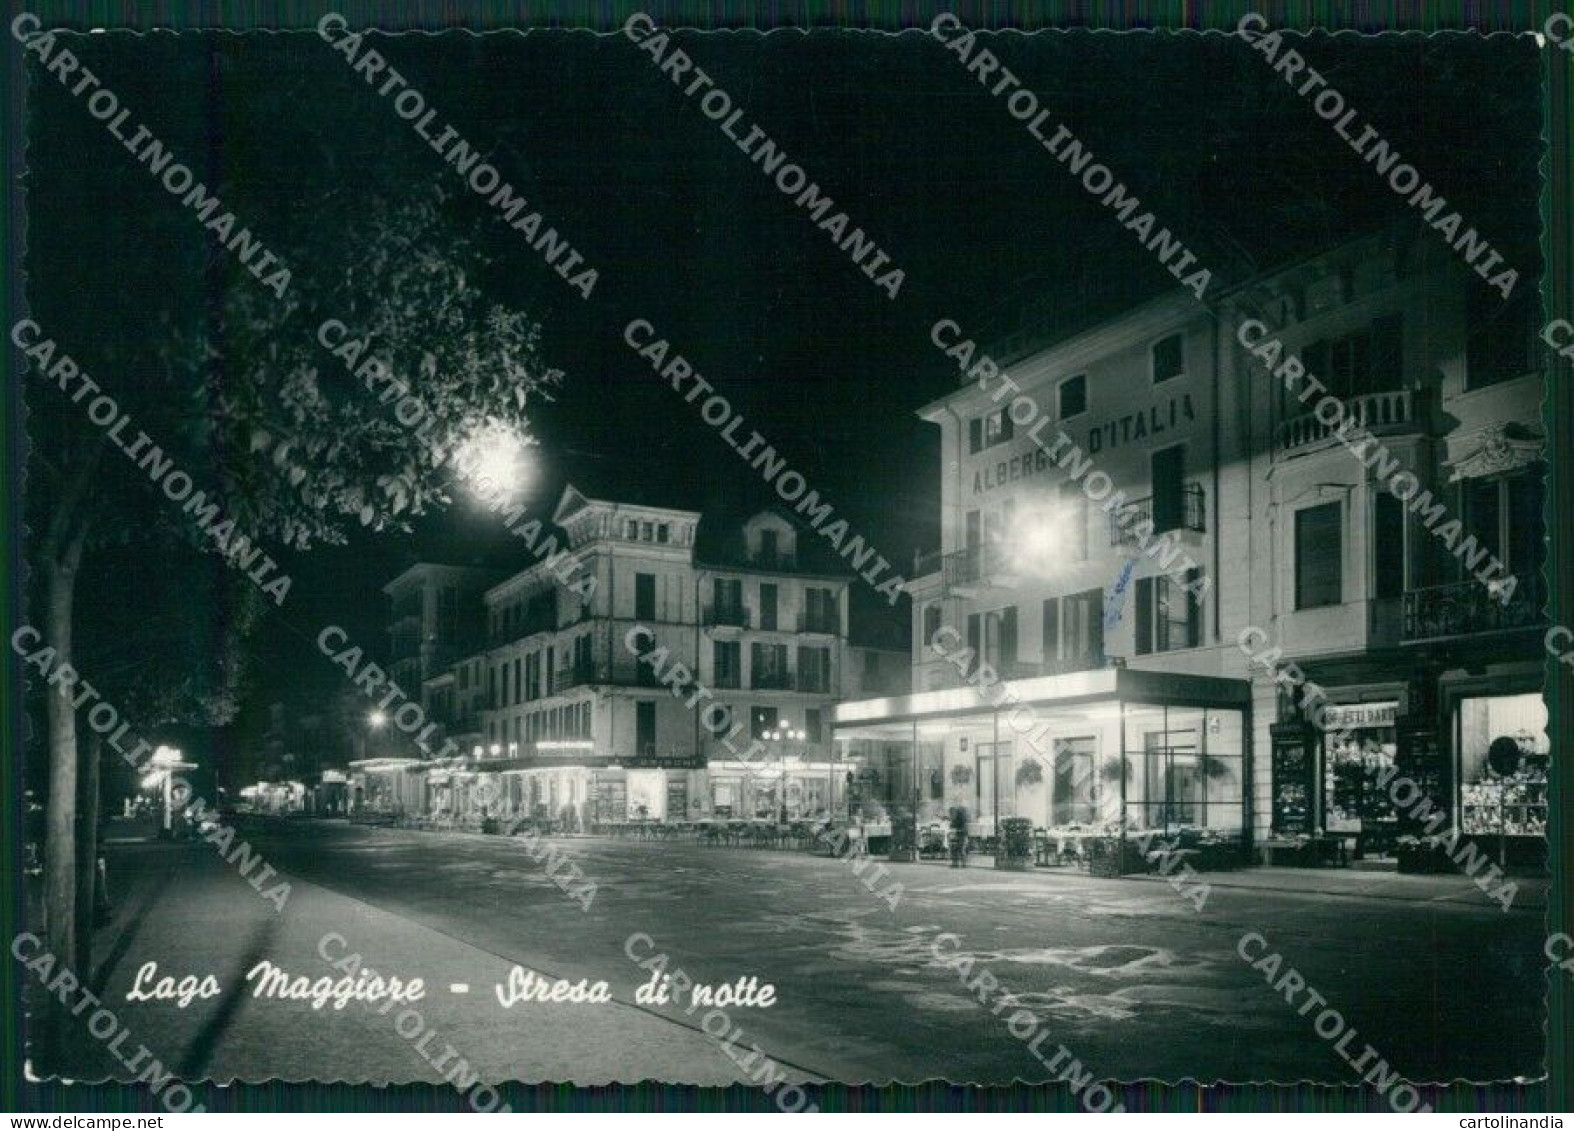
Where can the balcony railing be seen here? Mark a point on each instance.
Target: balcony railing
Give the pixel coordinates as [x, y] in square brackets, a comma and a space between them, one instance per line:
[1375, 412]
[772, 681]
[1125, 523]
[829, 624]
[817, 683]
[941, 674]
[1469, 607]
[962, 567]
[508, 632]
[1033, 669]
[1082, 662]
[733, 616]
[576, 675]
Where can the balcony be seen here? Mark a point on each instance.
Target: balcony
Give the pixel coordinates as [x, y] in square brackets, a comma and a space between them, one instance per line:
[1137, 515]
[815, 683]
[576, 675]
[1467, 608]
[510, 631]
[1376, 412]
[1034, 669]
[1082, 662]
[962, 572]
[727, 616]
[826, 624]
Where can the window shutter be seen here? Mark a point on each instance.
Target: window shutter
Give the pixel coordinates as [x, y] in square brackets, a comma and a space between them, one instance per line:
[1008, 636]
[1168, 469]
[1388, 353]
[1193, 609]
[1388, 537]
[1144, 615]
[1051, 630]
[1318, 556]
[1093, 611]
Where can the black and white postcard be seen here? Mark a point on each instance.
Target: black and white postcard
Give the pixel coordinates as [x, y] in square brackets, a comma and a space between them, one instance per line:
[787, 558]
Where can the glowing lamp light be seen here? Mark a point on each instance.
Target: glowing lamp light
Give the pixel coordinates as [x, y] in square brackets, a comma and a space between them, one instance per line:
[1037, 539]
[165, 756]
[376, 720]
[493, 461]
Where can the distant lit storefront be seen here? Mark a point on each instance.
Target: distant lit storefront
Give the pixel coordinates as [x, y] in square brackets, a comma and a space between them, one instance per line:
[394, 786]
[794, 788]
[1087, 753]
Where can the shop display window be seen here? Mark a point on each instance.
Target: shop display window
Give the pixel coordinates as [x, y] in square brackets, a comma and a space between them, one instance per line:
[1503, 754]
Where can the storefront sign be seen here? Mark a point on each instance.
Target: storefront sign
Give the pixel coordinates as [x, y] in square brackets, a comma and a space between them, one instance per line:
[1351, 716]
[664, 760]
[1171, 414]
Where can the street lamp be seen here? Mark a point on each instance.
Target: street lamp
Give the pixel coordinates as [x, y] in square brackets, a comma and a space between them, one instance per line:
[1040, 535]
[166, 759]
[492, 462]
[781, 734]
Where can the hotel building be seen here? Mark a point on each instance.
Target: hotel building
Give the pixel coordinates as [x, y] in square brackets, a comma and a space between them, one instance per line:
[1125, 700]
[556, 706]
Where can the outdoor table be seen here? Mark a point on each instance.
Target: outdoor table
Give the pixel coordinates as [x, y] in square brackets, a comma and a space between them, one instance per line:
[1331, 849]
[1061, 843]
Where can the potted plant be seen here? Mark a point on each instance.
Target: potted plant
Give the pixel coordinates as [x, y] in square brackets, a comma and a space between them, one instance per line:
[961, 775]
[1030, 774]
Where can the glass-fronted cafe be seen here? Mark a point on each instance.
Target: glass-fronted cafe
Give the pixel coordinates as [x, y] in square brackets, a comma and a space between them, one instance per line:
[1084, 754]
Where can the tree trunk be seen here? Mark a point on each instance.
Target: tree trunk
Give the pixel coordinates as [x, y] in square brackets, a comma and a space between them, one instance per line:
[60, 875]
[87, 889]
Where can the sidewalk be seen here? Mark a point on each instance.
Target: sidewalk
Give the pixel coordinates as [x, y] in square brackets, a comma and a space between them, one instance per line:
[183, 907]
[1354, 883]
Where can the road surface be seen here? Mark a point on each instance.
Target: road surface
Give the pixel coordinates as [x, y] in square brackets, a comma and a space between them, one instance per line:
[1126, 974]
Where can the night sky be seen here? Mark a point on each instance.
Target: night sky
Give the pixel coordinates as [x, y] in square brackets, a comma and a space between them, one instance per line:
[689, 235]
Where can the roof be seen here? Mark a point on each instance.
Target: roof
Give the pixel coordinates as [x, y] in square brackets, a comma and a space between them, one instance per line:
[418, 569]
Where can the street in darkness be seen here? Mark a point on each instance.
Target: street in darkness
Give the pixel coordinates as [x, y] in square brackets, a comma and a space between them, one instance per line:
[1123, 972]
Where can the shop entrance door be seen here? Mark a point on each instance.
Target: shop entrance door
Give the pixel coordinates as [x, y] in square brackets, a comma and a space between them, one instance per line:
[611, 801]
[677, 799]
[1174, 784]
[995, 768]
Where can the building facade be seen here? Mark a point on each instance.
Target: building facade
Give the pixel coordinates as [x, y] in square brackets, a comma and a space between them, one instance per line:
[678, 684]
[1158, 563]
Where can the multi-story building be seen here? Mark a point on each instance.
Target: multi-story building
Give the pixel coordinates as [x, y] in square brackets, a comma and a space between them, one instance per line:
[1385, 599]
[651, 665]
[1109, 577]
[433, 619]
